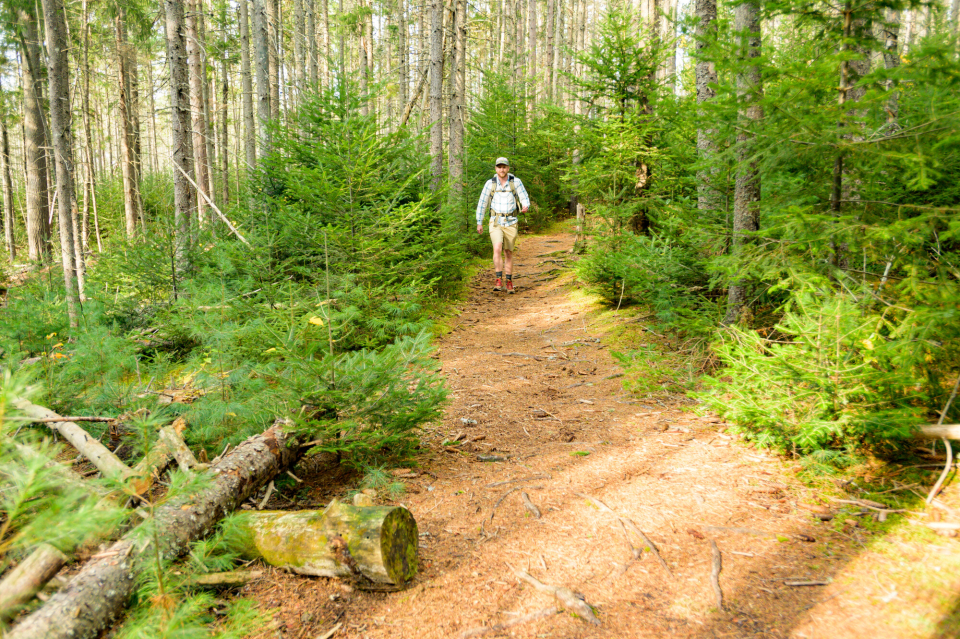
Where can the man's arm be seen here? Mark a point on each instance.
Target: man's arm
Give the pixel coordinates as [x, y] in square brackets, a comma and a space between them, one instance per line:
[483, 204]
[522, 194]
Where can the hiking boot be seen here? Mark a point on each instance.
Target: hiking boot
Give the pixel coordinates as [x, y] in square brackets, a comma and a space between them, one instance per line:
[499, 285]
[510, 286]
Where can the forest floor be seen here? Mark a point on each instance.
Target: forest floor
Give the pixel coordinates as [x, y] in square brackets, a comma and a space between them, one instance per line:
[534, 387]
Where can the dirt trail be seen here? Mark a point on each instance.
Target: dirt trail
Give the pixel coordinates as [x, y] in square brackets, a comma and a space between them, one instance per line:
[535, 389]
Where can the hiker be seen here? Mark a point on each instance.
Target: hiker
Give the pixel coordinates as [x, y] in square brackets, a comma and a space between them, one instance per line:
[503, 194]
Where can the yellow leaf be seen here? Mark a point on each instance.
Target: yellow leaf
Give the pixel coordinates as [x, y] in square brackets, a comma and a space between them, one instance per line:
[316, 321]
[269, 350]
[51, 335]
[57, 345]
[57, 356]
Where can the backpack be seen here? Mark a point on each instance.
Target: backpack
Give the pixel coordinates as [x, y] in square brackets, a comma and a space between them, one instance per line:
[513, 189]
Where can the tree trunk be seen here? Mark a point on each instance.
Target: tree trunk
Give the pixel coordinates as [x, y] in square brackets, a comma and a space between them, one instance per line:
[130, 191]
[181, 143]
[197, 108]
[403, 59]
[299, 63]
[364, 68]
[532, 59]
[549, 27]
[261, 43]
[436, 93]
[224, 140]
[458, 60]
[891, 60]
[312, 44]
[34, 124]
[325, 10]
[373, 545]
[746, 199]
[98, 593]
[8, 217]
[249, 126]
[708, 194]
[153, 120]
[273, 62]
[55, 20]
[208, 95]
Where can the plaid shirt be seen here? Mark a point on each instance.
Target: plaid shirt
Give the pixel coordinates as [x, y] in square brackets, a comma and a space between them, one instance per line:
[499, 198]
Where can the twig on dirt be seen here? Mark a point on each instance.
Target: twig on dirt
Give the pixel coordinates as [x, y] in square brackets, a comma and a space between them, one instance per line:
[294, 477]
[266, 498]
[807, 583]
[566, 597]
[75, 418]
[550, 414]
[434, 506]
[717, 566]
[486, 630]
[636, 552]
[626, 521]
[520, 480]
[529, 505]
[500, 501]
[331, 632]
[946, 442]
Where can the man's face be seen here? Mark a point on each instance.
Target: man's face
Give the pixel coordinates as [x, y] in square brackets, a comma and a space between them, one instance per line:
[502, 170]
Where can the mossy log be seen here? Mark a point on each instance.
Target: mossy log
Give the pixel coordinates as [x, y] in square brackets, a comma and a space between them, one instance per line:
[96, 596]
[374, 547]
[23, 582]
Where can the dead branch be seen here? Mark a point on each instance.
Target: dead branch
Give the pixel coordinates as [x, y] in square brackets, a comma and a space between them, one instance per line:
[715, 574]
[529, 505]
[73, 418]
[632, 526]
[566, 597]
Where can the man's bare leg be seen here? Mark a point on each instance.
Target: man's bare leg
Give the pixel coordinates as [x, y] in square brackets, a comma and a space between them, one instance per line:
[497, 261]
[508, 262]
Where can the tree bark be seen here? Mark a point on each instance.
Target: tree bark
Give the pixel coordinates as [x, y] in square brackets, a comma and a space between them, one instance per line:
[708, 195]
[746, 199]
[224, 110]
[891, 60]
[98, 593]
[436, 93]
[23, 582]
[273, 61]
[8, 217]
[261, 43]
[299, 63]
[312, 52]
[532, 59]
[197, 109]
[208, 97]
[549, 27]
[91, 448]
[59, 72]
[34, 124]
[457, 67]
[372, 545]
[249, 126]
[130, 191]
[180, 137]
[403, 58]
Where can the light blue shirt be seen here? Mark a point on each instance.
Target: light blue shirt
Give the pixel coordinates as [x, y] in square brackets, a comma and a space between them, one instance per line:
[499, 199]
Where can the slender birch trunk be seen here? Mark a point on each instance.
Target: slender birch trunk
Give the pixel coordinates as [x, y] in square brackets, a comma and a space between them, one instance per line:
[8, 218]
[130, 191]
[34, 125]
[708, 194]
[891, 60]
[312, 50]
[59, 76]
[249, 126]
[273, 42]
[457, 74]
[746, 199]
[199, 125]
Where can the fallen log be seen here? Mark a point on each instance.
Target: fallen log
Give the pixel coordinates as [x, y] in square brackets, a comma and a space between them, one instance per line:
[98, 593]
[375, 547]
[936, 431]
[23, 582]
[91, 448]
[218, 580]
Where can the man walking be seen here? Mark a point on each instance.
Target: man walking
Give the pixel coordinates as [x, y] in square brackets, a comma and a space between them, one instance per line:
[504, 195]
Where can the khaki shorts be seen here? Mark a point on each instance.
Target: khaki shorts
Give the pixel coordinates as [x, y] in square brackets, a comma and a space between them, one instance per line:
[506, 235]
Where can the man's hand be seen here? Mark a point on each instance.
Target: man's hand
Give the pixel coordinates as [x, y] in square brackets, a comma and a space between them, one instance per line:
[479, 229]
[524, 209]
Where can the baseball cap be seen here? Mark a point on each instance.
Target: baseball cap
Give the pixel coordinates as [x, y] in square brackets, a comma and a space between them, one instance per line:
[502, 160]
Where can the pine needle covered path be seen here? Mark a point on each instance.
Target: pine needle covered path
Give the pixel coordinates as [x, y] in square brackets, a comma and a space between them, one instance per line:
[552, 504]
